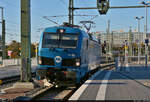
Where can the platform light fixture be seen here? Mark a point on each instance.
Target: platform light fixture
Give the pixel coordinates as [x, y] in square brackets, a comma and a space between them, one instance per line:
[139, 41]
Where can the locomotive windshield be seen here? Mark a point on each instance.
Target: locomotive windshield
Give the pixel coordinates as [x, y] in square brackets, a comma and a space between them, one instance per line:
[55, 40]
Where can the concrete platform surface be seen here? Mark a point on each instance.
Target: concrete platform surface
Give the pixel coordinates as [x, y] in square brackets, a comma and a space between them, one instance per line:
[27, 85]
[12, 93]
[111, 85]
[22, 90]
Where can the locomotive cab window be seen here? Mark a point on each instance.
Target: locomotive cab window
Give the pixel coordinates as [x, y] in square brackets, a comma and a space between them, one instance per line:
[68, 41]
[50, 40]
[56, 40]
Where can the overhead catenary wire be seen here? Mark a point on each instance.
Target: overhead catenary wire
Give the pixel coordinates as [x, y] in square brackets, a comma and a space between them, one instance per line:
[13, 5]
[74, 15]
[50, 20]
[46, 17]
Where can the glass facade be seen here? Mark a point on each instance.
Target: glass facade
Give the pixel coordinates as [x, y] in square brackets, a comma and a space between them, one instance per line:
[118, 38]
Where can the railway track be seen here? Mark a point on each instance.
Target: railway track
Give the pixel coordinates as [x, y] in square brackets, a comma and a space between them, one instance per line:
[63, 93]
[56, 94]
[108, 66]
[12, 79]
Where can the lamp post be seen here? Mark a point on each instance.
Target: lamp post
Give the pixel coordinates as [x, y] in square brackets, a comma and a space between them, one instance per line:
[139, 41]
[146, 20]
[126, 53]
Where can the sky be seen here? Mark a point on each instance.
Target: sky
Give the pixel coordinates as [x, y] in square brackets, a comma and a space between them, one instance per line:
[120, 19]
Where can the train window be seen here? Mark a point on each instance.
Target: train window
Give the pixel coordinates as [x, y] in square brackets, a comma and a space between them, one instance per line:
[57, 40]
[69, 40]
[50, 40]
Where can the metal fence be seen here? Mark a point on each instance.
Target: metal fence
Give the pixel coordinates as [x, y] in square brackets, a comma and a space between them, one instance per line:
[133, 61]
[16, 62]
[106, 59]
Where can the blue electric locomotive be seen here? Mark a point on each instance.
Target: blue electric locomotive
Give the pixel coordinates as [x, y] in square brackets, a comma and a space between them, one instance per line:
[66, 55]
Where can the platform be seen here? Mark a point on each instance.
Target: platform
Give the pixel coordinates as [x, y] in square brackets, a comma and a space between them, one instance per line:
[126, 84]
[11, 71]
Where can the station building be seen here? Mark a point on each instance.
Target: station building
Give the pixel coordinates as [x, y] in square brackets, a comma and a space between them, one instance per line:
[118, 38]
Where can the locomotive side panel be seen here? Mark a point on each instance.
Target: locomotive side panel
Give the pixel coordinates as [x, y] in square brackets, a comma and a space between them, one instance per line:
[94, 55]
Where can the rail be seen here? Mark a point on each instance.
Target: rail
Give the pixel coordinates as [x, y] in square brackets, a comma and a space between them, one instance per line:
[7, 80]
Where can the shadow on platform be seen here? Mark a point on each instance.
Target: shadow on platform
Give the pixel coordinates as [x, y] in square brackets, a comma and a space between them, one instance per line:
[137, 74]
[112, 83]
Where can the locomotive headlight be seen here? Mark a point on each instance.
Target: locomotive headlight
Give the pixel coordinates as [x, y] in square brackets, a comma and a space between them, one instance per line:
[61, 31]
[40, 60]
[77, 62]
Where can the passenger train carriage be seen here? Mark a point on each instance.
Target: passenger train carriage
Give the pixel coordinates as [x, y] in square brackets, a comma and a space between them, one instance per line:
[66, 55]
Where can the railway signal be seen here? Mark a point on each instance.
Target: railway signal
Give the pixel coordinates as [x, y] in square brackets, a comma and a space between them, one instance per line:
[103, 6]
[146, 41]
